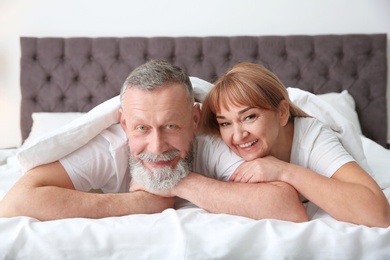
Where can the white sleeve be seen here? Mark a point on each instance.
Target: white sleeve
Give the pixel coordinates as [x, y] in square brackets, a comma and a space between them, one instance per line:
[93, 167]
[214, 158]
[328, 154]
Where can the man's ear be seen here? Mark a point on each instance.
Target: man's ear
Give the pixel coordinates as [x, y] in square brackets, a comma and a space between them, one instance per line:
[196, 116]
[122, 119]
[284, 110]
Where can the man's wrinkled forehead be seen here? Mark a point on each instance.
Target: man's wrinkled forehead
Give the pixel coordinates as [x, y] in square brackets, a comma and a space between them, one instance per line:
[161, 105]
[146, 115]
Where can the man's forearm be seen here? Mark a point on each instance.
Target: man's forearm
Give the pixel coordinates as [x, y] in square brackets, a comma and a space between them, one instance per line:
[257, 201]
[47, 193]
[49, 203]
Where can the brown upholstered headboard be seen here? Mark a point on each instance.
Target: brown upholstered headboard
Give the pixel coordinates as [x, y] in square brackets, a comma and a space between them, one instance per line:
[76, 74]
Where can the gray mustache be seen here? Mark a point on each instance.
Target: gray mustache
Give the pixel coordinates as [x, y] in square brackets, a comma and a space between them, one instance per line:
[167, 156]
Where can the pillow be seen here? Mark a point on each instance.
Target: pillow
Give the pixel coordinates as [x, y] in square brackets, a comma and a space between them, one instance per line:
[344, 104]
[200, 87]
[69, 137]
[46, 122]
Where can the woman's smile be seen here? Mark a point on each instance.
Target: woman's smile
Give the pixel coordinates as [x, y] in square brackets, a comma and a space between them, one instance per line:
[248, 144]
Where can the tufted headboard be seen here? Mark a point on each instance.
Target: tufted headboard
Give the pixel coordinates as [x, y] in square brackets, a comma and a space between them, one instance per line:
[76, 74]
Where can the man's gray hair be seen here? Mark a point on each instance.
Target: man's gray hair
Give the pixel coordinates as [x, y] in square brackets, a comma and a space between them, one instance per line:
[155, 74]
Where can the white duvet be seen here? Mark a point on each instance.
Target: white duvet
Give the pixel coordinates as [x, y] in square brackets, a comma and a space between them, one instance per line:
[187, 232]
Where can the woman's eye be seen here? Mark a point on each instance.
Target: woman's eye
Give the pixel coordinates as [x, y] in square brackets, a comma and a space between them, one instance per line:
[250, 117]
[223, 124]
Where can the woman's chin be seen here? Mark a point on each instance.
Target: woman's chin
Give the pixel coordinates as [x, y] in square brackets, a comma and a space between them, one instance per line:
[249, 157]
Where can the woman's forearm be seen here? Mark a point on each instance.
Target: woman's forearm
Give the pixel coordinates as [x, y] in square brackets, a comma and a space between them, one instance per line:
[355, 199]
[253, 200]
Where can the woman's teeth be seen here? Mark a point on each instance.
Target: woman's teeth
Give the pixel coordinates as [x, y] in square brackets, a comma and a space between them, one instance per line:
[248, 144]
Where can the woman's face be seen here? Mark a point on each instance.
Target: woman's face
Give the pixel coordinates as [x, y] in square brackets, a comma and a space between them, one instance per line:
[250, 132]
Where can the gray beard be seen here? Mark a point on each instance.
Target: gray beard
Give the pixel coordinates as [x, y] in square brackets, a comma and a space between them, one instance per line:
[160, 178]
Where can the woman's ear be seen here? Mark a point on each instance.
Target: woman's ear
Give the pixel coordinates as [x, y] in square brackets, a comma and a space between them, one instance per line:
[196, 116]
[284, 110]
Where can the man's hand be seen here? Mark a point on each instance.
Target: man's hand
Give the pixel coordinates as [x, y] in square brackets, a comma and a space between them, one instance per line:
[138, 187]
[153, 203]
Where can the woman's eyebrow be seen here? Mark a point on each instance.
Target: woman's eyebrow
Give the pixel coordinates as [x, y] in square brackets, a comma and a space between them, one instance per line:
[244, 110]
[239, 112]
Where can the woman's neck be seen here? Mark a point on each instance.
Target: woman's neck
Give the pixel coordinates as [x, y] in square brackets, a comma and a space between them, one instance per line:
[282, 149]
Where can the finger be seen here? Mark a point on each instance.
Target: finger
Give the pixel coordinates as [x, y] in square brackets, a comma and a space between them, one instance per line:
[254, 179]
[233, 176]
[236, 176]
[239, 177]
[247, 177]
[244, 173]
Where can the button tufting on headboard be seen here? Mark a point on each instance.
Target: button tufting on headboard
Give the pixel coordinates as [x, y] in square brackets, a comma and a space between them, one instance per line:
[83, 72]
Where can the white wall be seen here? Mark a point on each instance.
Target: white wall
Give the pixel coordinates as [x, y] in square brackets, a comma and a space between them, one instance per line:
[67, 18]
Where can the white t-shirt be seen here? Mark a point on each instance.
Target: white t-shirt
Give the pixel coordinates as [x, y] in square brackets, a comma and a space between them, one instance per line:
[103, 162]
[316, 147]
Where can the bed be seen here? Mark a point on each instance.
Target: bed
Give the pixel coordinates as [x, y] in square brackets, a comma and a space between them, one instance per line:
[64, 78]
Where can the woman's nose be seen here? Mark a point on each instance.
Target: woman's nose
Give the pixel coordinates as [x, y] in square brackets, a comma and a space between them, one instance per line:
[239, 133]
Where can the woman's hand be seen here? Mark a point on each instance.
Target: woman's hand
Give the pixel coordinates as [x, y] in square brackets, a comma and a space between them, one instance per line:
[266, 169]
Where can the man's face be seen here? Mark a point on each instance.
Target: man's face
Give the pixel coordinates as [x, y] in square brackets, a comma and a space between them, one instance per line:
[159, 126]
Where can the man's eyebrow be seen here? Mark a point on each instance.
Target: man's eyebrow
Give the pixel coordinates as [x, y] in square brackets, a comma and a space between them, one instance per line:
[173, 117]
[239, 112]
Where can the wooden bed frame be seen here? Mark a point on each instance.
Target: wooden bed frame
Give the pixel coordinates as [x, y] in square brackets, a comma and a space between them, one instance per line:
[76, 74]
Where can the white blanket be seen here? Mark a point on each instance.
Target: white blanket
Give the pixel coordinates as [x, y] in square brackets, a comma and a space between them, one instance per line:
[189, 234]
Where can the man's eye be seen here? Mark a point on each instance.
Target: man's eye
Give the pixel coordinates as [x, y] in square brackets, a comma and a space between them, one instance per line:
[171, 127]
[141, 128]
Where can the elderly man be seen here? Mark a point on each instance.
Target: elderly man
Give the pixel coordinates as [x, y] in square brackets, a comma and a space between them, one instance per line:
[155, 147]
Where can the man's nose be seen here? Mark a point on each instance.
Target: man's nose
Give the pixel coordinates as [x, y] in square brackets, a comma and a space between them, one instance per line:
[157, 143]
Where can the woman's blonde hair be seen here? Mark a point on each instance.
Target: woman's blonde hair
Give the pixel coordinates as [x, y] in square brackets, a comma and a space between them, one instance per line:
[246, 84]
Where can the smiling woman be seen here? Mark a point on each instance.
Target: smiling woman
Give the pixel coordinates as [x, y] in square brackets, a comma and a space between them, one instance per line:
[249, 99]
[250, 109]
